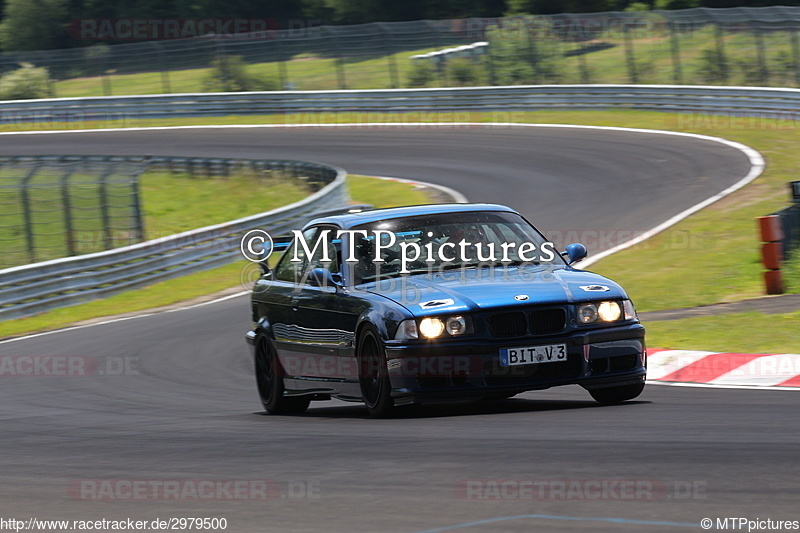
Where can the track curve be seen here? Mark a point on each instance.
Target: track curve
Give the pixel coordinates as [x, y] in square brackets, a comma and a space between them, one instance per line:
[185, 407]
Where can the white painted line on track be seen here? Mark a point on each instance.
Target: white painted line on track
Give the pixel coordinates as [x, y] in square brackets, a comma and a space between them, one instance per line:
[124, 318]
[712, 386]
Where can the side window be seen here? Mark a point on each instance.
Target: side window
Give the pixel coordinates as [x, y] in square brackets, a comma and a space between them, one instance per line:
[332, 245]
[292, 271]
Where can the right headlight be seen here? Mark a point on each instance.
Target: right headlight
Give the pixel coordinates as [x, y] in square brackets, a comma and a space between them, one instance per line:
[607, 311]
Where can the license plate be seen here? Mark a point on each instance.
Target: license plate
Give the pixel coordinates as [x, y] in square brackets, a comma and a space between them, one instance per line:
[533, 355]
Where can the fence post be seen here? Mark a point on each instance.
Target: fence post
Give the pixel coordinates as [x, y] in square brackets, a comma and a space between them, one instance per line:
[763, 72]
[165, 85]
[795, 56]
[26, 212]
[283, 75]
[389, 49]
[532, 50]
[68, 237]
[677, 75]
[723, 64]
[104, 209]
[105, 76]
[772, 252]
[629, 54]
[137, 207]
[340, 73]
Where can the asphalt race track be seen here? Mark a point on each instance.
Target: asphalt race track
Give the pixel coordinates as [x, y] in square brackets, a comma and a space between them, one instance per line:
[170, 398]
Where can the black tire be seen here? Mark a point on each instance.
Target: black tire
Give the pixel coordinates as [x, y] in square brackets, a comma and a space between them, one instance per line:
[612, 395]
[373, 375]
[269, 379]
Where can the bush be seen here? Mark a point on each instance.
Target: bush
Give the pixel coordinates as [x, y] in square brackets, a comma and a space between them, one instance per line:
[462, 71]
[26, 83]
[422, 73]
[524, 51]
[229, 74]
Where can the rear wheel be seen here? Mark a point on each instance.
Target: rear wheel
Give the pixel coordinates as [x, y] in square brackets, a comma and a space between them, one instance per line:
[613, 395]
[269, 379]
[373, 375]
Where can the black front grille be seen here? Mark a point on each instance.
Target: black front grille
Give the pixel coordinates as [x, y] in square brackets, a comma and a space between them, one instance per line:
[545, 321]
[508, 324]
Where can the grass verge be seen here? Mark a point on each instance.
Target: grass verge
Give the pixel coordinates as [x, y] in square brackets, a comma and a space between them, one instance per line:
[363, 190]
[750, 332]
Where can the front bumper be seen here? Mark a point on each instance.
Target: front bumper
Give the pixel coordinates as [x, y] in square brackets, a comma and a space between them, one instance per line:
[432, 371]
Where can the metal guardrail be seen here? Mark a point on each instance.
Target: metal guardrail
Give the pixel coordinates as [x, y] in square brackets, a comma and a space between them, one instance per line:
[30, 289]
[725, 100]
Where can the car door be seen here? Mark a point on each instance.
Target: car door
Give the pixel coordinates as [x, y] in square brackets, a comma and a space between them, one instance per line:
[314, 326]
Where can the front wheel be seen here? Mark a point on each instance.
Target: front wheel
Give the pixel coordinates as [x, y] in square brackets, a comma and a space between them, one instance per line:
[269, 379]
[373, 375]
[612, 395]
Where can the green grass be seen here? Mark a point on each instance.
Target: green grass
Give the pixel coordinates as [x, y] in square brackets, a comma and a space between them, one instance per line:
[171, 203]
[305, 73]
[175, 203]
[363, 190]
[750, 332]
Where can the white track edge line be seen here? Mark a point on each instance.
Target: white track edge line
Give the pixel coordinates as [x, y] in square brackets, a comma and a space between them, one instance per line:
[712, 386]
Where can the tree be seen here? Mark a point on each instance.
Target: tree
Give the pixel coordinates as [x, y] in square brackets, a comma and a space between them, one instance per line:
[34, 25]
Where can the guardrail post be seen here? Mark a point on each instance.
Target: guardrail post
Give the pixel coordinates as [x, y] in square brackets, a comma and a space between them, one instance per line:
[772, 252]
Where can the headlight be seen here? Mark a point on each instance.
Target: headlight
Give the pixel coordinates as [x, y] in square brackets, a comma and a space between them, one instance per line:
[609, 311]
[431, 327]
[406, 330]
[587, 313]
[456, 325]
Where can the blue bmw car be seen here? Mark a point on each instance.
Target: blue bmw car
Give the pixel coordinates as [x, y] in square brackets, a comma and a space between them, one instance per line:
[437, 303]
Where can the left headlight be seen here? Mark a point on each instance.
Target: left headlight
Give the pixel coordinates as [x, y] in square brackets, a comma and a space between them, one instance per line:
[433, 327]
[609, 311]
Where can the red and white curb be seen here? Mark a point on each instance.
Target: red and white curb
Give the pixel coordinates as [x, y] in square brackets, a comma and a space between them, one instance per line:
[724, 369]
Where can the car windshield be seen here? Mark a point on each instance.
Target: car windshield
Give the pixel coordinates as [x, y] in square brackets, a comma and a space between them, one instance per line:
[443, 241]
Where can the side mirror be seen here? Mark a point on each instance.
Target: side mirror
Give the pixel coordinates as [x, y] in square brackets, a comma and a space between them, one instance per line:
[322, 277]
[264, 266]
[575, 252]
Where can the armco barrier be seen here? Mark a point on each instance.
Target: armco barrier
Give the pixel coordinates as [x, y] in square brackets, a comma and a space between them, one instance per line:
[31, 289]
[783, 103]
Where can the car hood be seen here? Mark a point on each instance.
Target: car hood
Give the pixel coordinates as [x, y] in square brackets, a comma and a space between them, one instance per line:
[480, 289]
